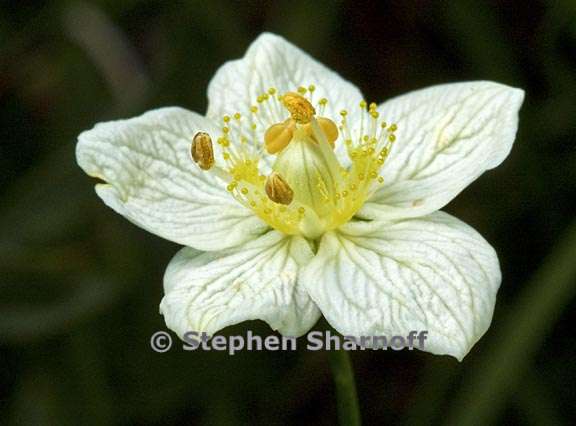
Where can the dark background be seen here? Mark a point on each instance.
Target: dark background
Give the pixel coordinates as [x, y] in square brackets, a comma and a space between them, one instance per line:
[80, 286]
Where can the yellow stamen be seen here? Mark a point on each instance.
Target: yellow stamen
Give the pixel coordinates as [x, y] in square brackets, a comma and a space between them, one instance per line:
[299, 107]
[278, 136]
[328, 127]
[201, 150]
[309, 191]
[278, 189]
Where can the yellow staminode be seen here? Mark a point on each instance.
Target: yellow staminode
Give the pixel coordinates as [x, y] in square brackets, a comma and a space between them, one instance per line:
[308, 191]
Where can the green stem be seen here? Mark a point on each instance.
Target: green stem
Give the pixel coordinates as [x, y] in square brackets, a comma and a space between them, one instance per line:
[346, 397]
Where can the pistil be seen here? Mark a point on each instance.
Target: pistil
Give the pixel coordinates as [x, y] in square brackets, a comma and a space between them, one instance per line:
[308, 191]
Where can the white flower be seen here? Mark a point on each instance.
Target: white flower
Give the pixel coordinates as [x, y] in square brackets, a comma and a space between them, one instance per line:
[305, 201]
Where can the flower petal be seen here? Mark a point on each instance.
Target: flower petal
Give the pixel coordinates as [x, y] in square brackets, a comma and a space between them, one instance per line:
[271, 61]
[447, 136]
[259, 280]
[432, 274]
[153, 182]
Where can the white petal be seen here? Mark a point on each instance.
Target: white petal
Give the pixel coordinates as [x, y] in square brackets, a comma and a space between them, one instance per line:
[432, 274]
[447, 137]
[259, 280]
[152, 181]
[271, 61]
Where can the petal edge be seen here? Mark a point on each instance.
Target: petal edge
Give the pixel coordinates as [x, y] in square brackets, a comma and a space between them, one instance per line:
[432, 274]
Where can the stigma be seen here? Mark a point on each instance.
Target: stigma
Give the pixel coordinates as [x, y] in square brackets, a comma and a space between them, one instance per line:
[307, 191]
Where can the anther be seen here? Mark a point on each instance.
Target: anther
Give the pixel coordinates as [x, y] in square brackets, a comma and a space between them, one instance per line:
[299, 107]
[278, 189]
[278, 136]
[329, 129]
[201, 150]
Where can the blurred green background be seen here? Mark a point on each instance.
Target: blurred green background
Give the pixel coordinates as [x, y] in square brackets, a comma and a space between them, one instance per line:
[80, 286]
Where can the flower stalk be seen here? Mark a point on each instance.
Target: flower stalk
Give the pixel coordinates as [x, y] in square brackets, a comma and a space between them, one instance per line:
[346, 396]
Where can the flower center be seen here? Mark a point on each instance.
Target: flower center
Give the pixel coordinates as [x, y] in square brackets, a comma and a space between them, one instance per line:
[308, 191]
